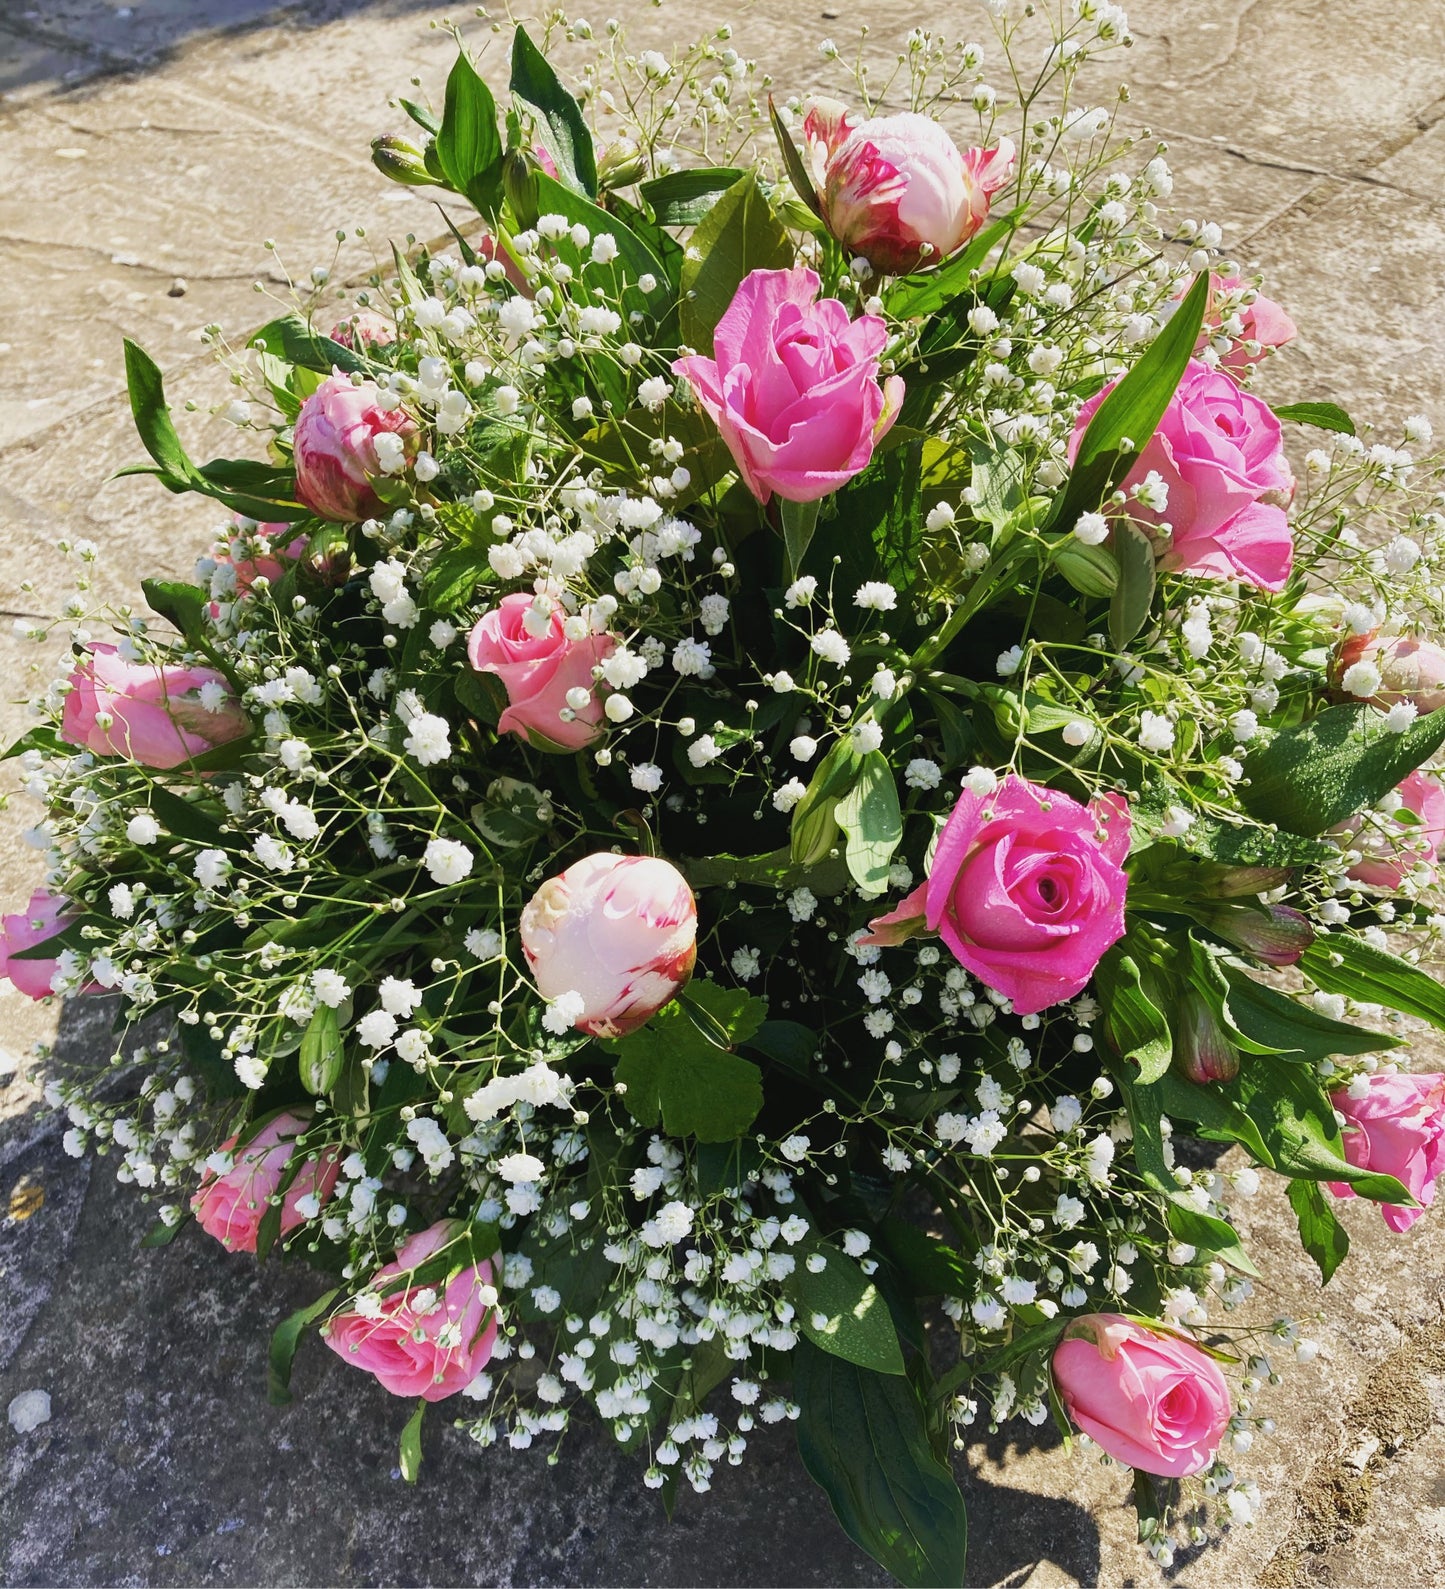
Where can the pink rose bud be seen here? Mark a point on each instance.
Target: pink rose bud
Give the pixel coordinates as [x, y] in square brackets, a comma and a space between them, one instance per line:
[611, 940]
[1263, 324]
[794, 386]
[335, 449]
[525, 645]
[364, 329]
[230, 1207]
[1201, 1044]
[1154, 1401]
[896, 189]
[43, 918]
[1219, 452]
[158, 716]
[429, 1340]
[1026, 888]
[1394, 849]
[1396, 1126]
[1410, 669]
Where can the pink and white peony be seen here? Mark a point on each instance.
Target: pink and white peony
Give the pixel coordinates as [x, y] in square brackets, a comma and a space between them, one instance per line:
[339, 451]
[610, 941]
[41, 919]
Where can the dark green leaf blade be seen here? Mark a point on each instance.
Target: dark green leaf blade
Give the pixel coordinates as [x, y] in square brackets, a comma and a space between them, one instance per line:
[739, 234]
[468, 145]
[842, 1312]
[1308, 778]
[1342, 963]
[561, 129]
[863, 1439]
[1323, 416]
[1324, 1238]
[1134, 590]
[321, 1052]
[676, 1076]
[682, 198]
[284, 1340]
[409, 1449]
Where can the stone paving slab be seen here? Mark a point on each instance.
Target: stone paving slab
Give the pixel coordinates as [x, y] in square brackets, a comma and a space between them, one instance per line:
[1312, 131]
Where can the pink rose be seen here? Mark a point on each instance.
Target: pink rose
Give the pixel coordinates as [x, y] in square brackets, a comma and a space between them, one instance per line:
[1396, 1127]
[43, 918]
[158, 716]
[364, 329]
[255, 551]
[1261, 324]
[794, 386]
[1220, 453]
[230, 1207]
[1410, 669]
[539, 668]
[896, 189]
[1394, 850]
[335, 448]
[430, 1340]
[1026, 889]
[1154, 1401]
[612, 939]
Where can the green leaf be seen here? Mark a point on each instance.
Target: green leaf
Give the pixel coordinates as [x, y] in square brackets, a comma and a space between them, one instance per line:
[1324, 1238]
[1211, 1235]
[800, 520]
[815, 826]
[794, 164]
[841, 1311]
[1134, 589]
[41, 738]
[635, 257]
[1218, 1116]
[152, 417]
[296, 342]
[997, 478]
[734, 1013]
[1323, 416]
[739, 234]
[676, 1076]
[409, 1451]
[454, 577]
[1136, 1026]
[872, 821]
[1282, 1025]
[284, 1341]
[930, 1267]
[1342, 963]
[182, 605]
[683, 198]
[321, 1053]
[186, 819]
[928, 292]
[560, 129]
[1308, 778]
[161, 1234]
[1131, 412]
[468, 145]
[863, 1439]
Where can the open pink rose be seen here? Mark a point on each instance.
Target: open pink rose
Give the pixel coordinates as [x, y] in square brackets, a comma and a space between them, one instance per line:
[336, 450]
[1394, 849]
[364, 329]
[1262, 324]
[158, 716]
[896, 189]
[794, 386]
[429, 1340]
[1154, 1401]
[1026, 888]
[42, 918]
[528, 650]
[1396, 1127]
[1410, 669]
[612, 939]
[1220, 453]
[230, 1207]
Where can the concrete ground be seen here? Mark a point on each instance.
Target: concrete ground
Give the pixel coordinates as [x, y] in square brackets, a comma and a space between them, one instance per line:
[145, 150]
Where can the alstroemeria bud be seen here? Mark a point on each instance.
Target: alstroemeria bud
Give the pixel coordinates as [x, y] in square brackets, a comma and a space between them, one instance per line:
[1273, 933]
[620, 165]
[1239, 882]
[403, 162]
[610, 941]
[519, 180]
[1201, 1044]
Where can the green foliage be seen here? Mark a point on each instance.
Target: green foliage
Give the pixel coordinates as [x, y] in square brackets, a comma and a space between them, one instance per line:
[1322, 1235]
[1133, 593]
[842, 1312]
[321, 1052]
[468, 145]
[863, 1438]
[870, 817]
[1137, 1027]
[1323, 416]
[560, 126]
[815, 823]
[284, 1341]
[1308, 778]
[739, 234]
[409, 1448]
[294, 341]
[676, 1075]
[1131, 412]
[683, 198]
[1343, 963]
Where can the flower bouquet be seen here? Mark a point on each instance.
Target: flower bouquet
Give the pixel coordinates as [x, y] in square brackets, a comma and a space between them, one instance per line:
[771, 762]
